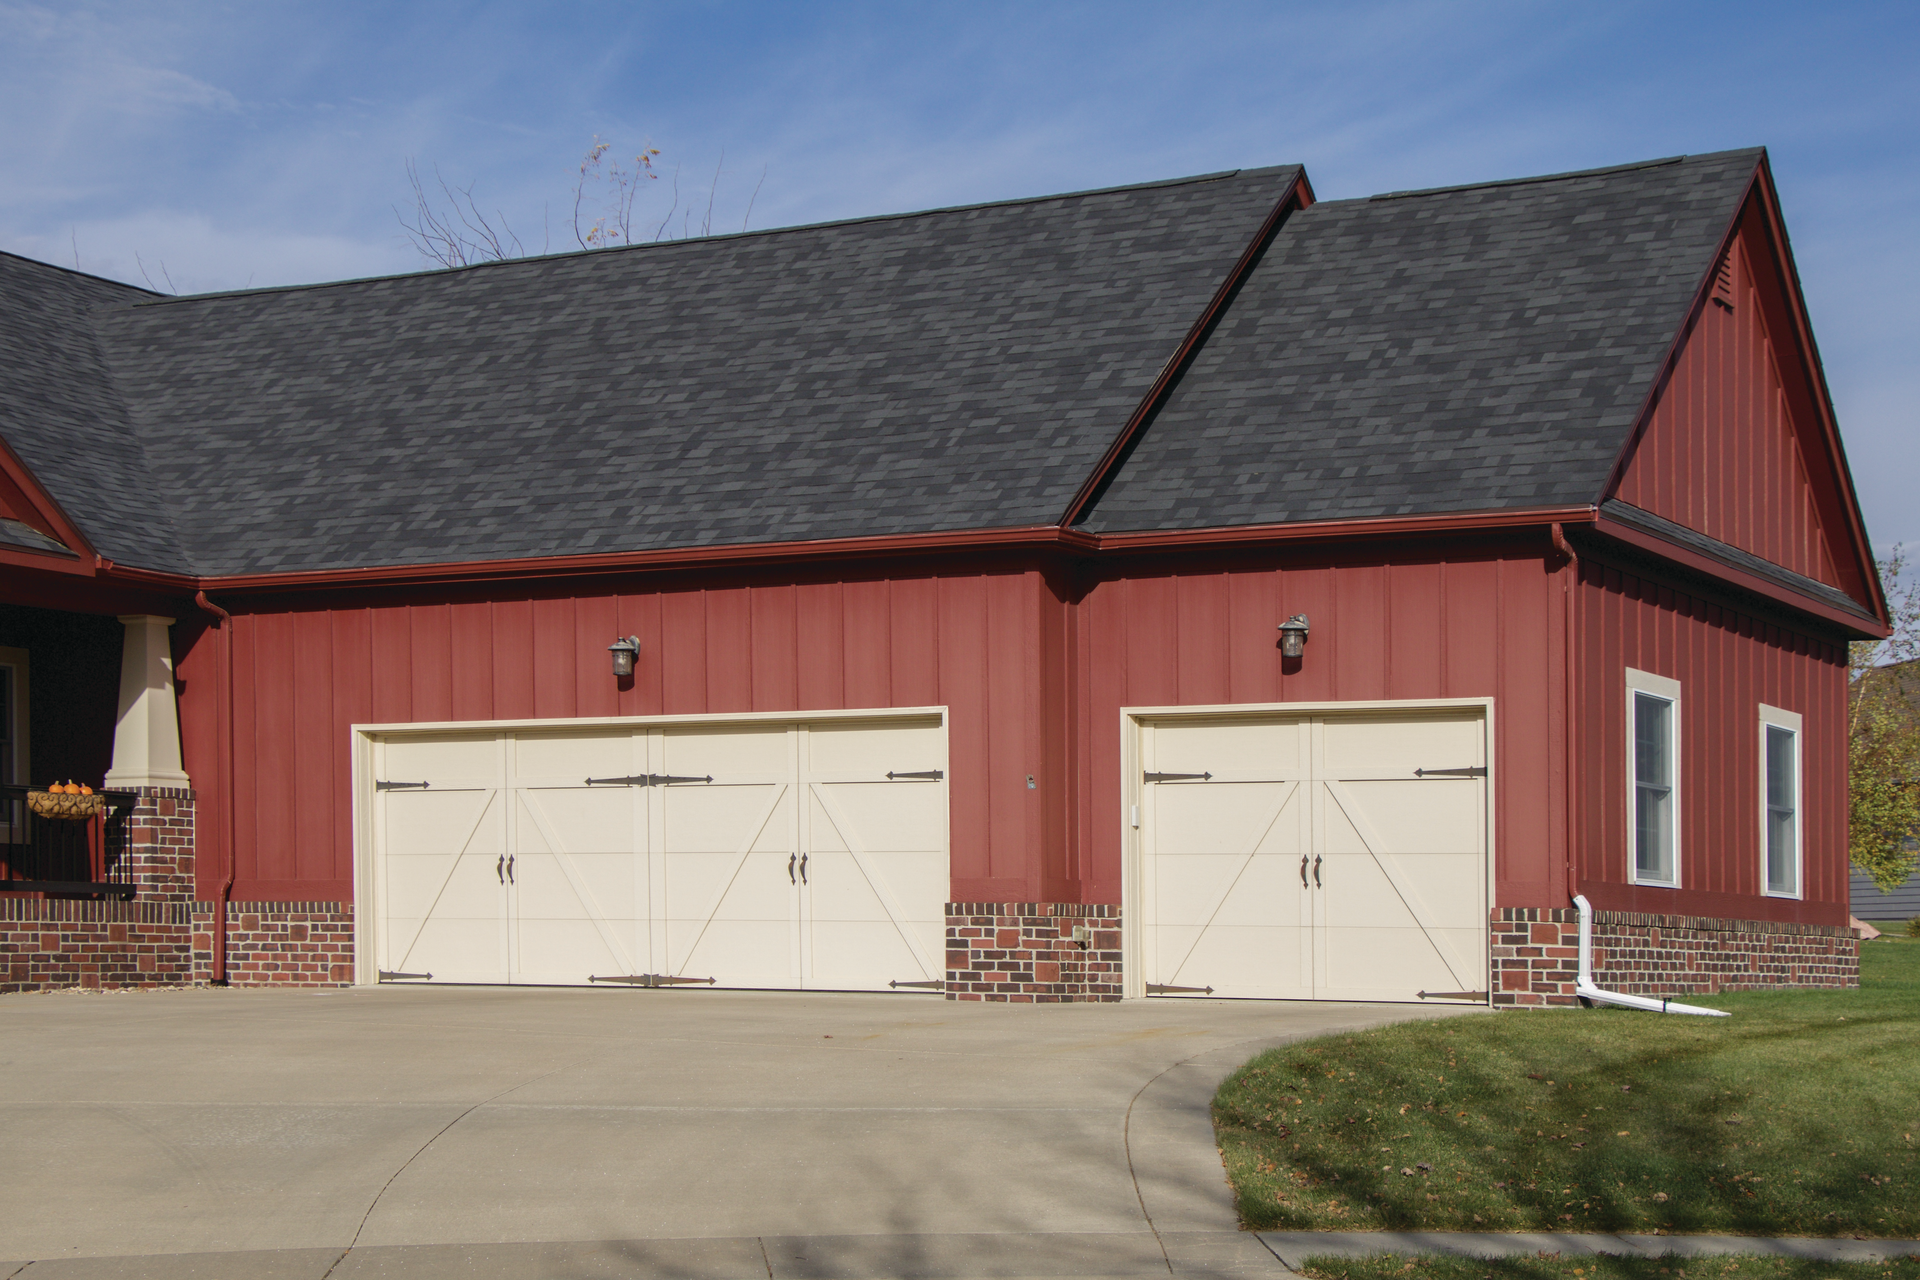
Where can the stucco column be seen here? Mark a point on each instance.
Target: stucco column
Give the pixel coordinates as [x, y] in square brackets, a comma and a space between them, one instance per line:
[146, 739]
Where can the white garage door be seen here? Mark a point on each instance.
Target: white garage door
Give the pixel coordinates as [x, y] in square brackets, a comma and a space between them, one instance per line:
[807, 856]
[1314, 857]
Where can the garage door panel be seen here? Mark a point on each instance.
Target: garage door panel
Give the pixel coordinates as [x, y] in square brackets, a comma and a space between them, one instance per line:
[861, 750]
[740, 951]
[1402, 961]
[911, 815]
[1248, 962]
[1188, 887]
[715, 819]
[1226, 817]
[1447, 886]
[727, 750]
[1394, 746]
[1414, 816]
[442, 755]
[1231, 744]
[866, 955]
[572, 756]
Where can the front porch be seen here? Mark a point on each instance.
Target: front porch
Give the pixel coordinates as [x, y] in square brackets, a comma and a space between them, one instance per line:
[100, 898]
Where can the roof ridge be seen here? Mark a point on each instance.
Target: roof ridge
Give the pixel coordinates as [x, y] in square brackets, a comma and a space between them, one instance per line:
[1569, 174]
[1217, 176]
[75, 271]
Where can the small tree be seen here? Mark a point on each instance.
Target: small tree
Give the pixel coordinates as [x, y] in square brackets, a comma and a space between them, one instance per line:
[1883, 738]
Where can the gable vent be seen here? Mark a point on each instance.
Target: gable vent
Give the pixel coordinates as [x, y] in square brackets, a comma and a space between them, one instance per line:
[1723, 281]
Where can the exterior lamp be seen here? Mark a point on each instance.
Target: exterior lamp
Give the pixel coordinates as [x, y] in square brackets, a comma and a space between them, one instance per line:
[624, 651]
[1293, 636]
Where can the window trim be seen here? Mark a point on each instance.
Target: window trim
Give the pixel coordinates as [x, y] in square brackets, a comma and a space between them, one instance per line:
[1668, 690]
[22, 691]
[1779, 718]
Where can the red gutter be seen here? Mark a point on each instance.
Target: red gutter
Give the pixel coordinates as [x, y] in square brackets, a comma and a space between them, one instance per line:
[1568, 702]
[220, 620]
[1297, 196]
[1321, 530]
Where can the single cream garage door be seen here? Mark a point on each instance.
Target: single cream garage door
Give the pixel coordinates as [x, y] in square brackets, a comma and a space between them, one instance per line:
[1314, 856]
[769, 855]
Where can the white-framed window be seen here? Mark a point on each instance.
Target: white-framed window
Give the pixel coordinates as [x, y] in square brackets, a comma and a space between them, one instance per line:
[1653, 779]
[1780, 802]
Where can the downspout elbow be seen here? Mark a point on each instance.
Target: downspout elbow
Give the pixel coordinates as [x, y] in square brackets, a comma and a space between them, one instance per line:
[1584, 987]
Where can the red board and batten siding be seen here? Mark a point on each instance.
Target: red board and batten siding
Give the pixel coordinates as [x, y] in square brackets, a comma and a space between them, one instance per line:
[1388, 623]
[1733, 447]
[303, 676]
[1728, 663]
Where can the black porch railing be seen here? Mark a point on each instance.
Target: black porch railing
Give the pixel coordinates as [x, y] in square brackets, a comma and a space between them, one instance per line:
[92, 857]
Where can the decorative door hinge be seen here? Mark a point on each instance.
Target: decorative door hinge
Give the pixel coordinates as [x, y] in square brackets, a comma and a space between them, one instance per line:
[1176, 777]
[1475, 771]
[929, 986]
[650, 980]
[645, 780]
[922, 775]
[389, 975]
[1477, 996]
[1155, 989]
[401, 786]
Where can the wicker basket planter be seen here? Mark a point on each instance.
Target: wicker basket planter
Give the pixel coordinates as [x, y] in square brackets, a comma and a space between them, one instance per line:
[48, 804]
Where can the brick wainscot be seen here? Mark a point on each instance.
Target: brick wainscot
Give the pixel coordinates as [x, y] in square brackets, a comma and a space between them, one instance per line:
[1536, 955]
[1032, 952]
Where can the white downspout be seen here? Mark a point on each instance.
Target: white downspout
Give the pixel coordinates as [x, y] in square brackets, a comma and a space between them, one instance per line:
[1584, 988]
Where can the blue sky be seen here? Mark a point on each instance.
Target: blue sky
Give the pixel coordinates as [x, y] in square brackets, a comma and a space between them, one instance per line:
[222, 145]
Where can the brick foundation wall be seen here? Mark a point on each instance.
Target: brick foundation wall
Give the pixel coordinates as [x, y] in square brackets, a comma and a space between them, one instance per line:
[1025, 952]
[1536, 954]
[51, 944]
[279, 944]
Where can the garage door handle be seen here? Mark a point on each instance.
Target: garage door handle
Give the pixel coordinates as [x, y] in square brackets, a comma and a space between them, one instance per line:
[791, 859]
[1316, 870]
[803, 868]
[500, 868]
[1303, 871]
[510, 879]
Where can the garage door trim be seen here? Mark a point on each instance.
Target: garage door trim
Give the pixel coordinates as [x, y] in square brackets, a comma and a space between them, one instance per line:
[1134, 719]
[363, 737]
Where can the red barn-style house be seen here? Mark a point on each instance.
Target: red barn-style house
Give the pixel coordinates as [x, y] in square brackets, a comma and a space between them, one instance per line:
[1177, 590]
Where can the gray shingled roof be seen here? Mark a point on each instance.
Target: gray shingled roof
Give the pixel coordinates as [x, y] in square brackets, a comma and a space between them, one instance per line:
[61, 413]
[1459, 350]
[951, 370]
[1473, 348]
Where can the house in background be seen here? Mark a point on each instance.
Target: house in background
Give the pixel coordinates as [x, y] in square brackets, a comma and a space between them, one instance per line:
[1177, 590]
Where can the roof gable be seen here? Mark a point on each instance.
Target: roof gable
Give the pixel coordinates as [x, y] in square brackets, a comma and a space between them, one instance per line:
[1735, 444]
[1469, 349]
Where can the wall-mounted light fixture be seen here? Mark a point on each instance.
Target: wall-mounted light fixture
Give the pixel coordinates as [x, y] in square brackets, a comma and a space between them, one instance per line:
[1293, 636]
[624, 651]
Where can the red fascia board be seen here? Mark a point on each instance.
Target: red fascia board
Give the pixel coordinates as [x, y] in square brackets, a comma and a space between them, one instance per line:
[1033, 538]
[46, 561]
[1814, 370]
[1688, 558]
[1323, 530]
[1296, 196]
[743, 555]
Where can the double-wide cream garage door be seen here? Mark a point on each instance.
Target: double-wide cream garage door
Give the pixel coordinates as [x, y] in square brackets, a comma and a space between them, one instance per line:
[1336, 857]
[741, 854]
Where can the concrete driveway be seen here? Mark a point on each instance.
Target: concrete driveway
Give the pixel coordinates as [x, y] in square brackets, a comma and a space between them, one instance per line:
[548, 1132]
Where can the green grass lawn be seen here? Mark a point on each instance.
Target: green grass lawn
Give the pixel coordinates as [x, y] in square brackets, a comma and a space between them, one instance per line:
[1536, 1267]
[1797, 1116]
